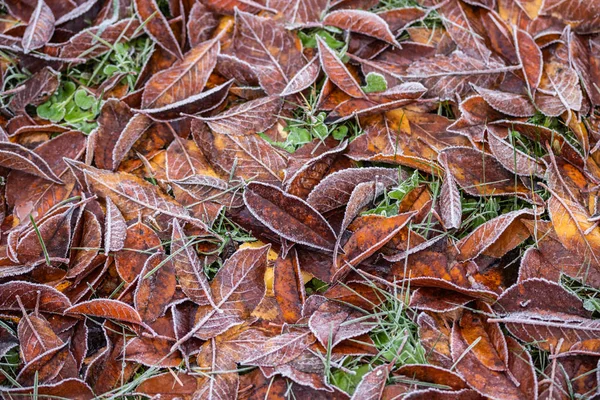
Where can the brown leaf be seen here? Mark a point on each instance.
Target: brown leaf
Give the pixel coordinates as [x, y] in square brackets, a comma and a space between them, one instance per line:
[438, 300]
[108, 369]
[569, 375]
[220, 355]
[581, 14]
[530, 57]
[270, 50]
[115, 228]
[36, 90]
[332, 323]
[46, 367]
[516, 105]
[459, 22]
[303, 78]
[248, 156]
[574, 228]
[581, 55]
[448, 76]
[201, 24]
[185, 79]
[432, 374]
[36, 337]
[55, 230]
[362, 22]
[372, 384]
[335, 190]
[114, 118]
[288, 287]
[450, 203]
[72, 388]
[487, 339]
[152, 351]
[518, 383]
[189, 268]
[289, 216]
[299, 11]
[280, 349]
[85, 45]
[306, 370]
[480, 174]
[434, 335]
[170, 386]
[132, 195]
[139, 242]
[543, 312]
[337, 72]
[136, 127]
[39, 28]
[237, 289]
[371, 232]
[198, 103]
[512, 158]
[564, 83]
[550, 259]
[475, 116]
[229, 6]
[248, 118]
[17, 157]
[156, 287]
[106, 308]
[500, 234]
[35, 195]
[184, 159]
[309, 164]
[50, 299]
[156, 26]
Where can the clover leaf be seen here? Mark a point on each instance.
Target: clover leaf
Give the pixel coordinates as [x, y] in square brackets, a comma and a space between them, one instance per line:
[375, 83]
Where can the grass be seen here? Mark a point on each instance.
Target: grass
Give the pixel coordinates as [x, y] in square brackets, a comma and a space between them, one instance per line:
[308, 124]
[395, 335]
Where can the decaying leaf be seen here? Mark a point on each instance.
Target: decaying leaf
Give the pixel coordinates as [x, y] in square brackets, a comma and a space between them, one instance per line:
[299, 199]
[288, 216]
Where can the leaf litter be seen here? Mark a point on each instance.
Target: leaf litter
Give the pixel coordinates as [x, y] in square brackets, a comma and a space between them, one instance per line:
[305, 199]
